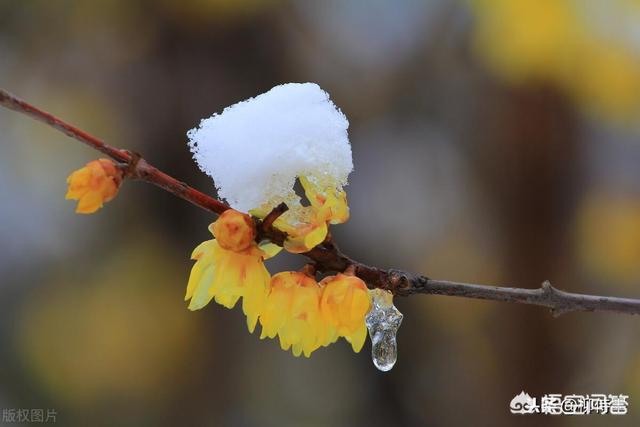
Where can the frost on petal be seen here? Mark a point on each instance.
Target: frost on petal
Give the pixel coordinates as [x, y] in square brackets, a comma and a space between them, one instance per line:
[254, 150]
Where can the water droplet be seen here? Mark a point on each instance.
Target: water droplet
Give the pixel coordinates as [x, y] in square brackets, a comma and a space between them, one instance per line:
[383, 321]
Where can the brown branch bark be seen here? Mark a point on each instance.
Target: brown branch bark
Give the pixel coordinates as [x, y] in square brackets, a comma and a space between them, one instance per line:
[327, 257]
[137, 167]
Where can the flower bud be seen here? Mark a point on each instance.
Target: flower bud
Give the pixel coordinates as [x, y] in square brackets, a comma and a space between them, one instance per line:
[234, 230]
[94, 184]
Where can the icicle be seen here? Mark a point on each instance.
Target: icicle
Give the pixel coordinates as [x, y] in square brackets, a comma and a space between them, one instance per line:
[383, 321]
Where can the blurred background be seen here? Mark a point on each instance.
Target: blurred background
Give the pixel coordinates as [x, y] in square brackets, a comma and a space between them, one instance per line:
[495, 141]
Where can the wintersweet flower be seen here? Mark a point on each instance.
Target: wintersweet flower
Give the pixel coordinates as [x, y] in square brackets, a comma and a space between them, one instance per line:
[292, 312]
[344, 303]
[255, 151]
[230, 267]
[330, 203]
[93, 185]
[307, 226]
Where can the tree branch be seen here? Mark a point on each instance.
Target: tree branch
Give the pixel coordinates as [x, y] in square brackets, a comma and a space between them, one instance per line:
[327, 257]
[137, 167]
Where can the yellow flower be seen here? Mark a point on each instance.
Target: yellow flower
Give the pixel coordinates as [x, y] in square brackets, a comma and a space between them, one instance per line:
[230, 267]
[306, 226]
[292, 312]
[93, 185]
[288, 305]
[234, 230]
[344, 304]
[329, 204]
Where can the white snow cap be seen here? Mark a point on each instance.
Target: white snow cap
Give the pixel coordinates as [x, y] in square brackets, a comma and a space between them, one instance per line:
[255, 149]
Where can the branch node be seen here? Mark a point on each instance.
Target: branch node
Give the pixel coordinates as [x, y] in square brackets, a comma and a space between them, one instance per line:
[398, 281]
[130, 168]
[548, 289]
[420, 283]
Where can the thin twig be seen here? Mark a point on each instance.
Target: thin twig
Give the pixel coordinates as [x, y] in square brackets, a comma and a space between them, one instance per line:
[141, 170]
[267, 222]
[327, 257]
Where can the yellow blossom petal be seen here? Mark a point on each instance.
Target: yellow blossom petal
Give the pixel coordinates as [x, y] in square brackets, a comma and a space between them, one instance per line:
[226, 275]
[78, 183]
[292, 312]
[344, 304]
[330, 204]
[93, 185]
[255, 296]
[89, 203]
[306, 226]
[199, 267]
[306, 238]
[270, 249]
